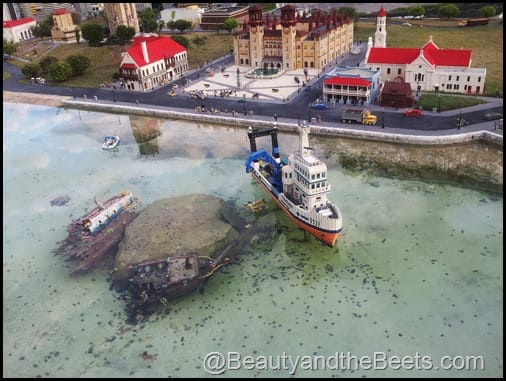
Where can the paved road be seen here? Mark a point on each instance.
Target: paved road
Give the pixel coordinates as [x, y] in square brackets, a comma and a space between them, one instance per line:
[297, 108]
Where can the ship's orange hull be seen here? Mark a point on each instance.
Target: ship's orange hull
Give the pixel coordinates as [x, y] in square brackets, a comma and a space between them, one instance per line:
[328, 238]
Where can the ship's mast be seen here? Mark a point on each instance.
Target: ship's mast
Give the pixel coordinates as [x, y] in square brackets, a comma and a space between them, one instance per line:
[304, 138]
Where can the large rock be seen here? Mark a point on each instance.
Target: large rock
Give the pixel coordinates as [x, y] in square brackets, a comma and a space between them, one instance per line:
[175, 226]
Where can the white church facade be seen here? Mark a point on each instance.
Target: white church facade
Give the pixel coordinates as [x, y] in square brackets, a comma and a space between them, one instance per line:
[428, 68]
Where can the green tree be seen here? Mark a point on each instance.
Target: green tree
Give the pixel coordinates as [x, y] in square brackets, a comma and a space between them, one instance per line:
[448, 10]
[230, 24]
[181, 40]
[46, 63]
[350, 11]
[148, 20]
[78, 63]
[182, 25]
[60, 71]
[9, 47]
[125, 33]
[416, 11]
[487, 11]
[93, 33]
[31, 69]
[171, 25]
[41, 30]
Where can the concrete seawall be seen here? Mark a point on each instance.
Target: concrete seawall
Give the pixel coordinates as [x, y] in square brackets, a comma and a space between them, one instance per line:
[237, 121]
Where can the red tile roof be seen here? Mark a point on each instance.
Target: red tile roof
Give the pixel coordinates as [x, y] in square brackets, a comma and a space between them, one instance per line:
[60, 11]
[158, 48]
[434, 55]
[347, 81]
[382, 12]
[13, 23]
[393, 55]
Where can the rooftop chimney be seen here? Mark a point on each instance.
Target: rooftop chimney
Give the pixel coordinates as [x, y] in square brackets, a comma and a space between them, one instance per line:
[145, 51]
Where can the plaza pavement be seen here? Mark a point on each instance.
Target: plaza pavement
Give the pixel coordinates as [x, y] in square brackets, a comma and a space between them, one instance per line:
[227, 80]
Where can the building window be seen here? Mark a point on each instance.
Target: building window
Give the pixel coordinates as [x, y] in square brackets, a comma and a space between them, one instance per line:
[479, 79]
[399, 71]
[457, 78]
[468, 78]
[449, 78]
[388, 70]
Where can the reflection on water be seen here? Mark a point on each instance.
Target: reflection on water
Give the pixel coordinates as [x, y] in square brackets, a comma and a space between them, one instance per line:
[417, 269]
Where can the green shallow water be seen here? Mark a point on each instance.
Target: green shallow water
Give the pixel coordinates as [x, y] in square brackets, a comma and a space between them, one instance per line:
[417, 271]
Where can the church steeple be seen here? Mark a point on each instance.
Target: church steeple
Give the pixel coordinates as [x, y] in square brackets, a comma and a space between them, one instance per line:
[380, 36]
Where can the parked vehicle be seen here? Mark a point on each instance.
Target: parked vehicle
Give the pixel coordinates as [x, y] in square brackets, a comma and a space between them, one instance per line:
[362, 116]
[413, 113]
[319, 106]
[474, 22]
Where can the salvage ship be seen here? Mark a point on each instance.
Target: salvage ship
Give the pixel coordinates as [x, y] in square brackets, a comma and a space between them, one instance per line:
[94, 234]
[299, 186]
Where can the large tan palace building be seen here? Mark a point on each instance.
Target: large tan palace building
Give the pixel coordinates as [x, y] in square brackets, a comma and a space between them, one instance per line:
[296, 41]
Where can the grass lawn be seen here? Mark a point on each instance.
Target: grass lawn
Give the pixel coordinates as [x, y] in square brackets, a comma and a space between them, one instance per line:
[216, 46]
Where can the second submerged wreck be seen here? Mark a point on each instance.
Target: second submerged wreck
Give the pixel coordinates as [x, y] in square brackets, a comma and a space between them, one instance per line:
[94, 234]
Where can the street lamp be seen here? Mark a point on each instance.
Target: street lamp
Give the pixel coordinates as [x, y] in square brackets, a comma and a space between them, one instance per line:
[382, 119]
[309, 113]
[74, 92]
[113, 96]
[439, 103]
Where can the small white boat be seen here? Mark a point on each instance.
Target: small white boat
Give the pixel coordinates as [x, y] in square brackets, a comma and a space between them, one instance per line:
[110, 142]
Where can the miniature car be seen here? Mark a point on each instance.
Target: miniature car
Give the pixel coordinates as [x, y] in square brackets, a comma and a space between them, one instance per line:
[319, 106]
[413, 113]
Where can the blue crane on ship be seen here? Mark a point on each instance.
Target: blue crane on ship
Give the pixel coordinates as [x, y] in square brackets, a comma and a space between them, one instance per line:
[274, 165]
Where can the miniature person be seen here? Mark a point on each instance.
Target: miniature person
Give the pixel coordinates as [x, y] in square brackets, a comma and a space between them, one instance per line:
[187, 263]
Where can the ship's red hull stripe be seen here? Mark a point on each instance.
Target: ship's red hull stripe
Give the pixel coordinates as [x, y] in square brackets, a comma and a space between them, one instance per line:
[329, 238]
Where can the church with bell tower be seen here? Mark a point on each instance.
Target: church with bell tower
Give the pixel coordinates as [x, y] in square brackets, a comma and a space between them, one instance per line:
[298, 39]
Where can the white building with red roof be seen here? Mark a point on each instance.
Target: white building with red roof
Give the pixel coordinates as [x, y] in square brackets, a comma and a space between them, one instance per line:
[152, 61]
[351, 85]
[428, 68]
[18, 30]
